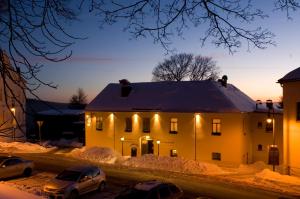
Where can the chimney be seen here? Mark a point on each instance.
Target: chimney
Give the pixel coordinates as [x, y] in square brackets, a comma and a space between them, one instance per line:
[223, 81]
[125, 87]
[258, 102]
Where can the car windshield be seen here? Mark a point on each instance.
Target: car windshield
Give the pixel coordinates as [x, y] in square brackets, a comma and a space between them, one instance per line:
[69, 175]
[133, 194]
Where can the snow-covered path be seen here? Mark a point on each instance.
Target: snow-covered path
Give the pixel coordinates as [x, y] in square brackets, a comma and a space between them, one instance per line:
[9, 192]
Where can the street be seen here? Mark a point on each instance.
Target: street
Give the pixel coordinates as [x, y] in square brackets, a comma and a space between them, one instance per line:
[118, 178]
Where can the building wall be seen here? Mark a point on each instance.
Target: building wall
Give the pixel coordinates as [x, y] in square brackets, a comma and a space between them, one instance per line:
[265, 138]
[291, 137]
[234, 143]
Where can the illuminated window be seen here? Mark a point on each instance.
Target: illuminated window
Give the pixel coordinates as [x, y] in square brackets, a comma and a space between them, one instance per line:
[298, 111]
[173, 125]
[269, 127]
[146, 125]
[216, 127]
[173, 153]
[216, 156]
[128, 124]
[99, 123]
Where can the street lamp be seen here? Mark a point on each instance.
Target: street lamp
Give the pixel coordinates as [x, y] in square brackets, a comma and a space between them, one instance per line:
[158, 143]
[273, 149]
[122, 141]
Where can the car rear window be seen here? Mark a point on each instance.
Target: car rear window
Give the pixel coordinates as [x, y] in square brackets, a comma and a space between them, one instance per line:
[174, 189]
[69, 175]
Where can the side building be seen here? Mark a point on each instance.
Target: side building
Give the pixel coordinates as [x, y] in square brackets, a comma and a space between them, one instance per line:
[12, 102]
[200, 120]
[291, 121]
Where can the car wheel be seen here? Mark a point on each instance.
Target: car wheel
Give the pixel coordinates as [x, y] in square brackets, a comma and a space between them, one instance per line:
[74, 195]
[101, 186]
[27, 172]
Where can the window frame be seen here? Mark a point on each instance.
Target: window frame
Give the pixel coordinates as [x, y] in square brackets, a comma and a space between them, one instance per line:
[146, 123]
[99, 123]
[173, 125]
[128, 124]
[217, 126]
[216, 156]
[298, 111]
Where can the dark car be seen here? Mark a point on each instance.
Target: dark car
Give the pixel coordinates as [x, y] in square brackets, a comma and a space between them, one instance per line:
[151, 190]
[11, 166]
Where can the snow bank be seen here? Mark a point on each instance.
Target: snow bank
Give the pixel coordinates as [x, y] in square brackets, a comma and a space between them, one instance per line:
[252, 168]
[272, 176]
[9, 192]
[175, 164]
[96, 154]
[21, 147]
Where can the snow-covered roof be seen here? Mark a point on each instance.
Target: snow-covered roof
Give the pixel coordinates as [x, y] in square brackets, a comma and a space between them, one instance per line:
[61, 112]
[169, 96]
[291, 76]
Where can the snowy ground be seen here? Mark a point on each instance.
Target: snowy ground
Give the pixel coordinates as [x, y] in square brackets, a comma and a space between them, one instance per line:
[256, 175]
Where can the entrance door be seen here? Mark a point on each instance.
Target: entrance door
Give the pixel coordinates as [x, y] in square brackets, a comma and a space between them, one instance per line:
[147, 147]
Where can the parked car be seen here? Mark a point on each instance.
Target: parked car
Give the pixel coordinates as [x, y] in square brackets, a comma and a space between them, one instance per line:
[11, 166]
[75, 181]
[151, 190]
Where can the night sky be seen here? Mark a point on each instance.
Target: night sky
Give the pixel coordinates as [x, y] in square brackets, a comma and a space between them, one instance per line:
[110, 54]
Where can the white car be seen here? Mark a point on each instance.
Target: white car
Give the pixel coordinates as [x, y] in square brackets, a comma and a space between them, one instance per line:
[75, 181]
[11, 166]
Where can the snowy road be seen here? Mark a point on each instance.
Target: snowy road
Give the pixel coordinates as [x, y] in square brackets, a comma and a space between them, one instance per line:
[119, 177]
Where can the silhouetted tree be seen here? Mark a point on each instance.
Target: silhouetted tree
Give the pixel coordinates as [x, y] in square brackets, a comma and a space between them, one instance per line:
[203, 68]
[78, 100]
[176, 68]
[184, 66]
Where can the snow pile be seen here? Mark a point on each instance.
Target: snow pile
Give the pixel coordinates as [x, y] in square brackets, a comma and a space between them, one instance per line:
[64, 143]
[9, 192]
[96, 154]
[272, 176]
[20, 147]
[252, 168]
[175, 164]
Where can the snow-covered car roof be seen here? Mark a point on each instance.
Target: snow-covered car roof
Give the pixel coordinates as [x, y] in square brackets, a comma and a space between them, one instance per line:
[170, 96]
[148, 185]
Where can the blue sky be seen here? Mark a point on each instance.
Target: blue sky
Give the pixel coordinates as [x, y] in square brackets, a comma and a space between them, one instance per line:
[109, 55]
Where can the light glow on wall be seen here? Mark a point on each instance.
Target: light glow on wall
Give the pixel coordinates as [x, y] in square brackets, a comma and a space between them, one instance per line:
[111, 117]
[135, 118]
[122, 139]
[88, 120]
[147, 137]
[197, 117]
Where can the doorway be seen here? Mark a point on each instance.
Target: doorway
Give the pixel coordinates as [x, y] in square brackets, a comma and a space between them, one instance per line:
[147, 146]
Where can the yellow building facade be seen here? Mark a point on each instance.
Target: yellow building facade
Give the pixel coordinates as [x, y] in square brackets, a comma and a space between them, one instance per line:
[291, 121]
[229, 136]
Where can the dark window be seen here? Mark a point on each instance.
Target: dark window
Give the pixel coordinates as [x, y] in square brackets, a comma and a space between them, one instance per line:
[216, 127]
[146, 125]
[259, 125]
[269, 127]
[216, 156]
[298, 111]
[173, 153]
[259, 147]
[99, 123]
[174, 189]
[173, 125]
[12, 162]
[128, 123]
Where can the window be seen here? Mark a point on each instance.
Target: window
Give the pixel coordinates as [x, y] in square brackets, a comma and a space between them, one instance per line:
[216, 127]
[146, 125]
[173, 125]
[259, 125]
[269, 127]
[298, 111]
[173, 153]
[216, 156]
[128, 124]
[164, 192]
[259, 147]
[99, 123]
